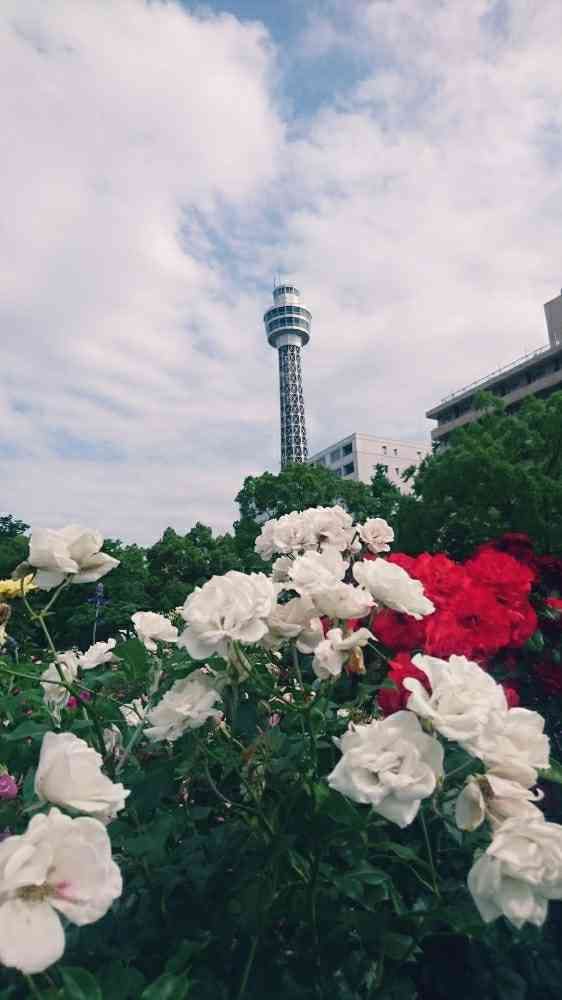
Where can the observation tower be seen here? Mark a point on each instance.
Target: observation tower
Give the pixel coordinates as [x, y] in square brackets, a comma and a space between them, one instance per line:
[287, 327]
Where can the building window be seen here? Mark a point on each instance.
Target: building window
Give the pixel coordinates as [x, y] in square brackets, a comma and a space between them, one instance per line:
[384, 449]
[320, 461]
[335, 455]
[419, 454]
[347, 448]
[338, 472]
[396, 451]
[397, 471]
[349, 469]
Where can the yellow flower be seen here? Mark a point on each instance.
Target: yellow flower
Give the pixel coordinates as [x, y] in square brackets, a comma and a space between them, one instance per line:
[15, 588]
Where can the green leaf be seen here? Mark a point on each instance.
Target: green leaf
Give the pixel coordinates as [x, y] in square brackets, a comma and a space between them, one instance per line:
[27, 729]
[79, 984]
[396, 946]
[167, 987]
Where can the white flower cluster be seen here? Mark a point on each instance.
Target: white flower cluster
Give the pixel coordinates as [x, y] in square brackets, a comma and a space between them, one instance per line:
[522, 868]
[393, 765]
[301, 531]
[59, 866]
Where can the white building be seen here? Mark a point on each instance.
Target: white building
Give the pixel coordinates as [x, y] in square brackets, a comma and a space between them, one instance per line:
[357, 456]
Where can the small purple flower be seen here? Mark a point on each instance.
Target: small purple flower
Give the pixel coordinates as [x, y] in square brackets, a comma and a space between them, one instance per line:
[8, 787]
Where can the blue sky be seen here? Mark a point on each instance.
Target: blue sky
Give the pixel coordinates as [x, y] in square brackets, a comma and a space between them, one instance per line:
[399, 159]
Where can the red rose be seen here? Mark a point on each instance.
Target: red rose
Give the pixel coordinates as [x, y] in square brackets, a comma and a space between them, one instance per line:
[511, 695]
[551, 676]
[509, 579]
[392, 700]
[441, 577]
[524, 623]
[398, 631]
[473, 624]
[555, 603]
[516, 544]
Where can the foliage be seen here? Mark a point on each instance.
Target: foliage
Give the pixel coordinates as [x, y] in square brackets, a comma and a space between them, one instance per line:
[502, 473]
[245, 873]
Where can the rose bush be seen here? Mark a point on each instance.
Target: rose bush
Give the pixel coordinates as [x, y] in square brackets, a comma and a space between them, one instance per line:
[297, 786]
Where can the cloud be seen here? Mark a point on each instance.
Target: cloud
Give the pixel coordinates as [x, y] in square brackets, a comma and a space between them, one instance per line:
[155, 176]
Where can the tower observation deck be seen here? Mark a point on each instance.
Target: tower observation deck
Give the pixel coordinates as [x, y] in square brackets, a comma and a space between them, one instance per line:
[287, 327]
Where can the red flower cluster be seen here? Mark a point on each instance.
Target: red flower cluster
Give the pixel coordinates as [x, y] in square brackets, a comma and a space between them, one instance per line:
[393, 699]
[482, 606]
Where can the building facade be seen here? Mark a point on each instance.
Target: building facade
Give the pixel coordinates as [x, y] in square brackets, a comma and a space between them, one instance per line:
[287, 328]
[535, 374]
[357, 456]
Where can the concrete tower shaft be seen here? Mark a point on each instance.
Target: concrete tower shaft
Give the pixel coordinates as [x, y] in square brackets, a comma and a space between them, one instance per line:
[287, 327]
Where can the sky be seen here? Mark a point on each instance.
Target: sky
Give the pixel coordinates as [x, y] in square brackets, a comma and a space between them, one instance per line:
[399, 160]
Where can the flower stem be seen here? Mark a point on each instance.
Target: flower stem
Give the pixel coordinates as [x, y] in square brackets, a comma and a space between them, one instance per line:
[33, 987]
[429, 854]
[248, 967]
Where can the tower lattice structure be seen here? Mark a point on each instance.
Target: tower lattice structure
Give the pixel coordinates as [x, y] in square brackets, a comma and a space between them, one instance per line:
[287, 327]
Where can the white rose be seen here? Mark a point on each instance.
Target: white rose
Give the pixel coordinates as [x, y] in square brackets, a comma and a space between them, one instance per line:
[187, 705]
[152, 628]
[66, 668]
[495, 797]
[463, 699]
[341, 600]
[72, 551]
[287, 621]
[69, 775]
[332, 526]
[310, 636]
[314, 570]
[376, 534]
[290, 533]
[515, 739]
[391, 586]
[133, 713]
[391, 765]
[331, 654]
[100, 652]
[58, 866]
[233, 607]
[520, 871]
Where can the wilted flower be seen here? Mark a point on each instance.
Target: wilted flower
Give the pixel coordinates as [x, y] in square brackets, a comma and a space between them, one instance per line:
[100, 652]
[520, 871]
[133, 713]
[233, 607]
[391, 765]
[151, 627]
[66, 668]
[58, 866]
[187, 705]
[391, 586]
[69, 775]
[113, 740]
[72, 551]
[495, 796]
[331, 654]
[376, 534]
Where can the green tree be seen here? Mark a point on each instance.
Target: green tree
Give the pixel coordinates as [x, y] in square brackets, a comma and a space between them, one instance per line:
[501, 473]
[178, 563]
